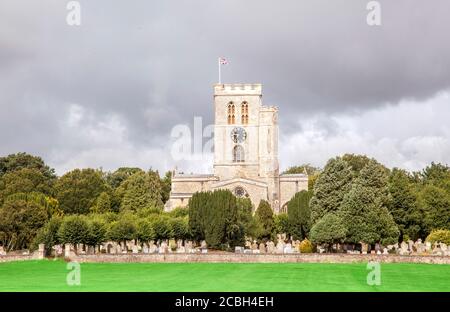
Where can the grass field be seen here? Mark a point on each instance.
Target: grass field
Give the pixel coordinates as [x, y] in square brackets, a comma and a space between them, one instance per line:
[49, 275]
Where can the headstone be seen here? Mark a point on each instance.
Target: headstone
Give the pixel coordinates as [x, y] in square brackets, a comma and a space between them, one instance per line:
[152, 248]
[364, 248]
[248, 251]
[280, 247]
[255, 251]
[385, 251]
[41, 251]
[262, 248]
[427, 246]
[163, 248]
[203, 244]
[254, 245]
[248, 244]
[91, 250]
[378, 252]
[287, 249]
[404, 249]
[135, 249]
[444, 247]
[189, 247]
[270, 247]
[238, 249]
[145, 250]
[2, 251]
[67, 250]
[181, 249]
[410, 245]
[204, 250]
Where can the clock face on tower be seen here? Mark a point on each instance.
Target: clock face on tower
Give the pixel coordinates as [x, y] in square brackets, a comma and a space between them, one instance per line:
[238, 135]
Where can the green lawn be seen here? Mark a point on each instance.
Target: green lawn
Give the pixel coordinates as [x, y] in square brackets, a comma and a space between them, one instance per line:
[49, 275]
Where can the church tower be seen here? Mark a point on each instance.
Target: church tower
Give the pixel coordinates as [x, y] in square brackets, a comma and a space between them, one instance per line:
[246, 142]
[245, 153]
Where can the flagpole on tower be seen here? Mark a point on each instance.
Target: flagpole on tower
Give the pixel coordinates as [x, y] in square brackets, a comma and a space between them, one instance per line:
[220, 74]
[221, 61]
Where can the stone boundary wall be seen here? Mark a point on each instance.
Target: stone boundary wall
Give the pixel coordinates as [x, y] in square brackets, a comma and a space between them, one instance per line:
[258, 258]
[11, 258]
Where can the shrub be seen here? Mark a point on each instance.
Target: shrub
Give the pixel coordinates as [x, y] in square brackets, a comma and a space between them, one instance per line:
[74, 230]
[442, 236]
[306, 246]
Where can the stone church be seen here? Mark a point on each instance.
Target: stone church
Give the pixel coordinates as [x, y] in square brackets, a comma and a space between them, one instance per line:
[245, 153]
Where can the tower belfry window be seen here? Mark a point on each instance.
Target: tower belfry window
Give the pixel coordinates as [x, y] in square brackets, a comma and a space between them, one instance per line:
[244, 113]
[231, 113]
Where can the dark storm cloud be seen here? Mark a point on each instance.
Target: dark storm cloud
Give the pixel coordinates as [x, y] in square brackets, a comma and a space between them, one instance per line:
[151, 64]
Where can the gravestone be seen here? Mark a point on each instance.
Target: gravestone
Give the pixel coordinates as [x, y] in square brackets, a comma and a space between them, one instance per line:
[238, 249]
[204, 251]
[364, 248]
[189, 247]
[280, 247]
[135, 249]
[152, 248]
[203, 244]
[255, 251]
[248, 251]
[287, 249]
[270, 247]
[410, 245]
[181, 249]
[163, 248]
[262, 248]
[385, 251]
[254, 245]
[2, 251]
[145, 250]
[404, 249]
[427, 246]
[91, 250]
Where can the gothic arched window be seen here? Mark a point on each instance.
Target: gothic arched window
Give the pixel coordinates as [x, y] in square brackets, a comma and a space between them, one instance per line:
[231, 112]
[244, 112]
[238, 154]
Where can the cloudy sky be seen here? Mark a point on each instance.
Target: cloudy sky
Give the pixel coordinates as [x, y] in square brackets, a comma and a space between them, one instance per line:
[107, 93]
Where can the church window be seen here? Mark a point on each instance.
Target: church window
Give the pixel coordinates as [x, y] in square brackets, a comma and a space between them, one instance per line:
[238, 154]
[244, 112]
[240, 192]
[231, 113]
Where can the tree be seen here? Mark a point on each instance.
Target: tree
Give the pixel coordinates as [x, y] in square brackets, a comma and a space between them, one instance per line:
[246, 222]
[74, 230]
[97, 232]
[328, 230]
[356, 162]
[330, 188]
[140, 191]
[180, 228]
[213, 216]
[299, 215]
[364, 211]
[264, 215]
[16, 162]
[434, 203]
[162, 227]
[48, 235]
[403, 206]
[24, 180]
[78, 190]
[305, 168]
[145, 231]
[282, 224]
[114, 179]
[166, 186]
[20, 220]
[102, 204]
[123, 230]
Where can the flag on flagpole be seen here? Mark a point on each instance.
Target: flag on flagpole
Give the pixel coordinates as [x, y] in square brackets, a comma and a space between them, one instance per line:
[222, 61]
